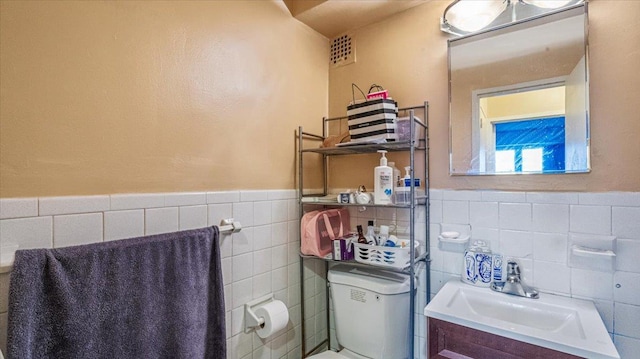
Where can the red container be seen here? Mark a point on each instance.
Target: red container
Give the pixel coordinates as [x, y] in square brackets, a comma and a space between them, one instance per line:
[379, 94]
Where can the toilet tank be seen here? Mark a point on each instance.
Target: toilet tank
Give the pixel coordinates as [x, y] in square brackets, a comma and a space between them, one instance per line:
[371, 311]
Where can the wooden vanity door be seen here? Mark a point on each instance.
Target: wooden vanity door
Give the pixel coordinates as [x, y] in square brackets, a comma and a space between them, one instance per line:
[452, 341]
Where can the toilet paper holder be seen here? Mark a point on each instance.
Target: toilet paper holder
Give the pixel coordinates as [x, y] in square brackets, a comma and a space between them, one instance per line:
[251, 320]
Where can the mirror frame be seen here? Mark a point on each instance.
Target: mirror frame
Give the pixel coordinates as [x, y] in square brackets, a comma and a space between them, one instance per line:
[542, 19]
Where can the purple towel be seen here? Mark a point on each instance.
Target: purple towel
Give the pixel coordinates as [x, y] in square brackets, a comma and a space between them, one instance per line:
[150, 297]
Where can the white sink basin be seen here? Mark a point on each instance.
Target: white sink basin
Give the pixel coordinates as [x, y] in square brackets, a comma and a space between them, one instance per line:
[564, 324]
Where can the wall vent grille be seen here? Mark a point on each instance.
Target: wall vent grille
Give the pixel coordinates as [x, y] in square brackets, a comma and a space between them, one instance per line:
[343, 51]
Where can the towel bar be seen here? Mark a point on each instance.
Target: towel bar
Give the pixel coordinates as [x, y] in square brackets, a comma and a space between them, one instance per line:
[229, 225]
[6, 262]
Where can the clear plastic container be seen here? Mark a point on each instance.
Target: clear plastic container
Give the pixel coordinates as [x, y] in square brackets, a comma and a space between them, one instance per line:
[403, 195]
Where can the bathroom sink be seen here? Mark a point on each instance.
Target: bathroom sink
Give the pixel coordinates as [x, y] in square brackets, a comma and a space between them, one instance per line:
[560, 323]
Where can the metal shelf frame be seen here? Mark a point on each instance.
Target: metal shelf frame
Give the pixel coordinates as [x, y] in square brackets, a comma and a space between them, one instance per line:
[412, 147]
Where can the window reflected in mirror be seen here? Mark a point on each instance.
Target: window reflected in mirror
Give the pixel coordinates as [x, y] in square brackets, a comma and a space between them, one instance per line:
[519, 98]
[525, 130]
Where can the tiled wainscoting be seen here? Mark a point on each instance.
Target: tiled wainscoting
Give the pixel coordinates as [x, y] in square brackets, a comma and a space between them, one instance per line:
[261, 259]
[534, 227]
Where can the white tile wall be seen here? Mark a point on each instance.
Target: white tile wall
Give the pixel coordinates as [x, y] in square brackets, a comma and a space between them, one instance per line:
[243, 213]
[627, 347]
[261, 213]
[627, 255]
[242, 266]
[260, 259]
[263, 257]
[591, 284]
[18, 207]
[499, 196]
[75, 229]
[516, 216]
[627, 287]
[455, 212]
[192, 217]
[136, 201]
[184, 199]
[31, 232]
[552, 197]
[217, 212]
[626, 222]
[223, 197]
[484, 214]
[627, 320]
[123, 224]
[552, 218]
[534, 227]
[552, 277]
[550, 247]
[161, 220]
[590, 219]
[262, 285]
[631, 199]
[69, 205]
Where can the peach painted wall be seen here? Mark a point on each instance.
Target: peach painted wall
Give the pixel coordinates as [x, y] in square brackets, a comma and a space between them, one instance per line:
[408, 55]
[101, 97]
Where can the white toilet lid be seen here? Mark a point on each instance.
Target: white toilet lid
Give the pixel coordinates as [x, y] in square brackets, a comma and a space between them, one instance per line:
[343, 354]
[327, 355]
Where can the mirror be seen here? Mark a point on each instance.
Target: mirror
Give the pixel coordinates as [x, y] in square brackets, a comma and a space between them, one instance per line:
[519, 97]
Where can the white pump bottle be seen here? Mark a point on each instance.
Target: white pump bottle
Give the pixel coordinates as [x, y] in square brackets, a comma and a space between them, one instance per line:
[383, 182]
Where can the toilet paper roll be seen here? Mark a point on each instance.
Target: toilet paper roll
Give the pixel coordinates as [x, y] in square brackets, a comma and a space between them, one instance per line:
[276, 317]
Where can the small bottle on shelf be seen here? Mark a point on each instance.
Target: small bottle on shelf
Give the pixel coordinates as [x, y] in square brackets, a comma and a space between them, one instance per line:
[371, 233]
[383, 236]
[361, 238]
[396, 173]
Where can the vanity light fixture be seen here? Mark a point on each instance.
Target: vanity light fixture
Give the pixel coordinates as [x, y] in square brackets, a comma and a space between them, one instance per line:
[547, 4]
[463, 17]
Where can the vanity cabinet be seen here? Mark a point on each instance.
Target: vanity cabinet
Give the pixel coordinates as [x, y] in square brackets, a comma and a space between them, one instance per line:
[449, 340]
[308, 144]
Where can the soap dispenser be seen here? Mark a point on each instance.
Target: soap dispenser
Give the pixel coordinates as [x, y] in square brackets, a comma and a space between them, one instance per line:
[407, 177]
[477, 264]
[383, 181]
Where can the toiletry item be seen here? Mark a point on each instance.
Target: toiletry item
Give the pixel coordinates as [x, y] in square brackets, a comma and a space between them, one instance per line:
[343, 197]
[498, 268]
[396, 174]
[371, 233]
[402, 195]
[383, 182]
[361, 238]
[343, 248]
[478, 264]
[392, 241]
[362, 196]
[407, 177]
[383, 236]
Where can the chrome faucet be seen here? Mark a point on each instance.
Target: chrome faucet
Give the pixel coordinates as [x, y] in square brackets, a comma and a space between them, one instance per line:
[513, 284]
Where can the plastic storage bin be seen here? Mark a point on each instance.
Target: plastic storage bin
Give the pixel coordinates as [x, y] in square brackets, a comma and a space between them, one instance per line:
[395, 257]
[403, 128]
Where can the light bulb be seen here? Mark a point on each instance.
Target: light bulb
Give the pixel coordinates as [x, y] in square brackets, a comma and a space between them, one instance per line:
[473, 15]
